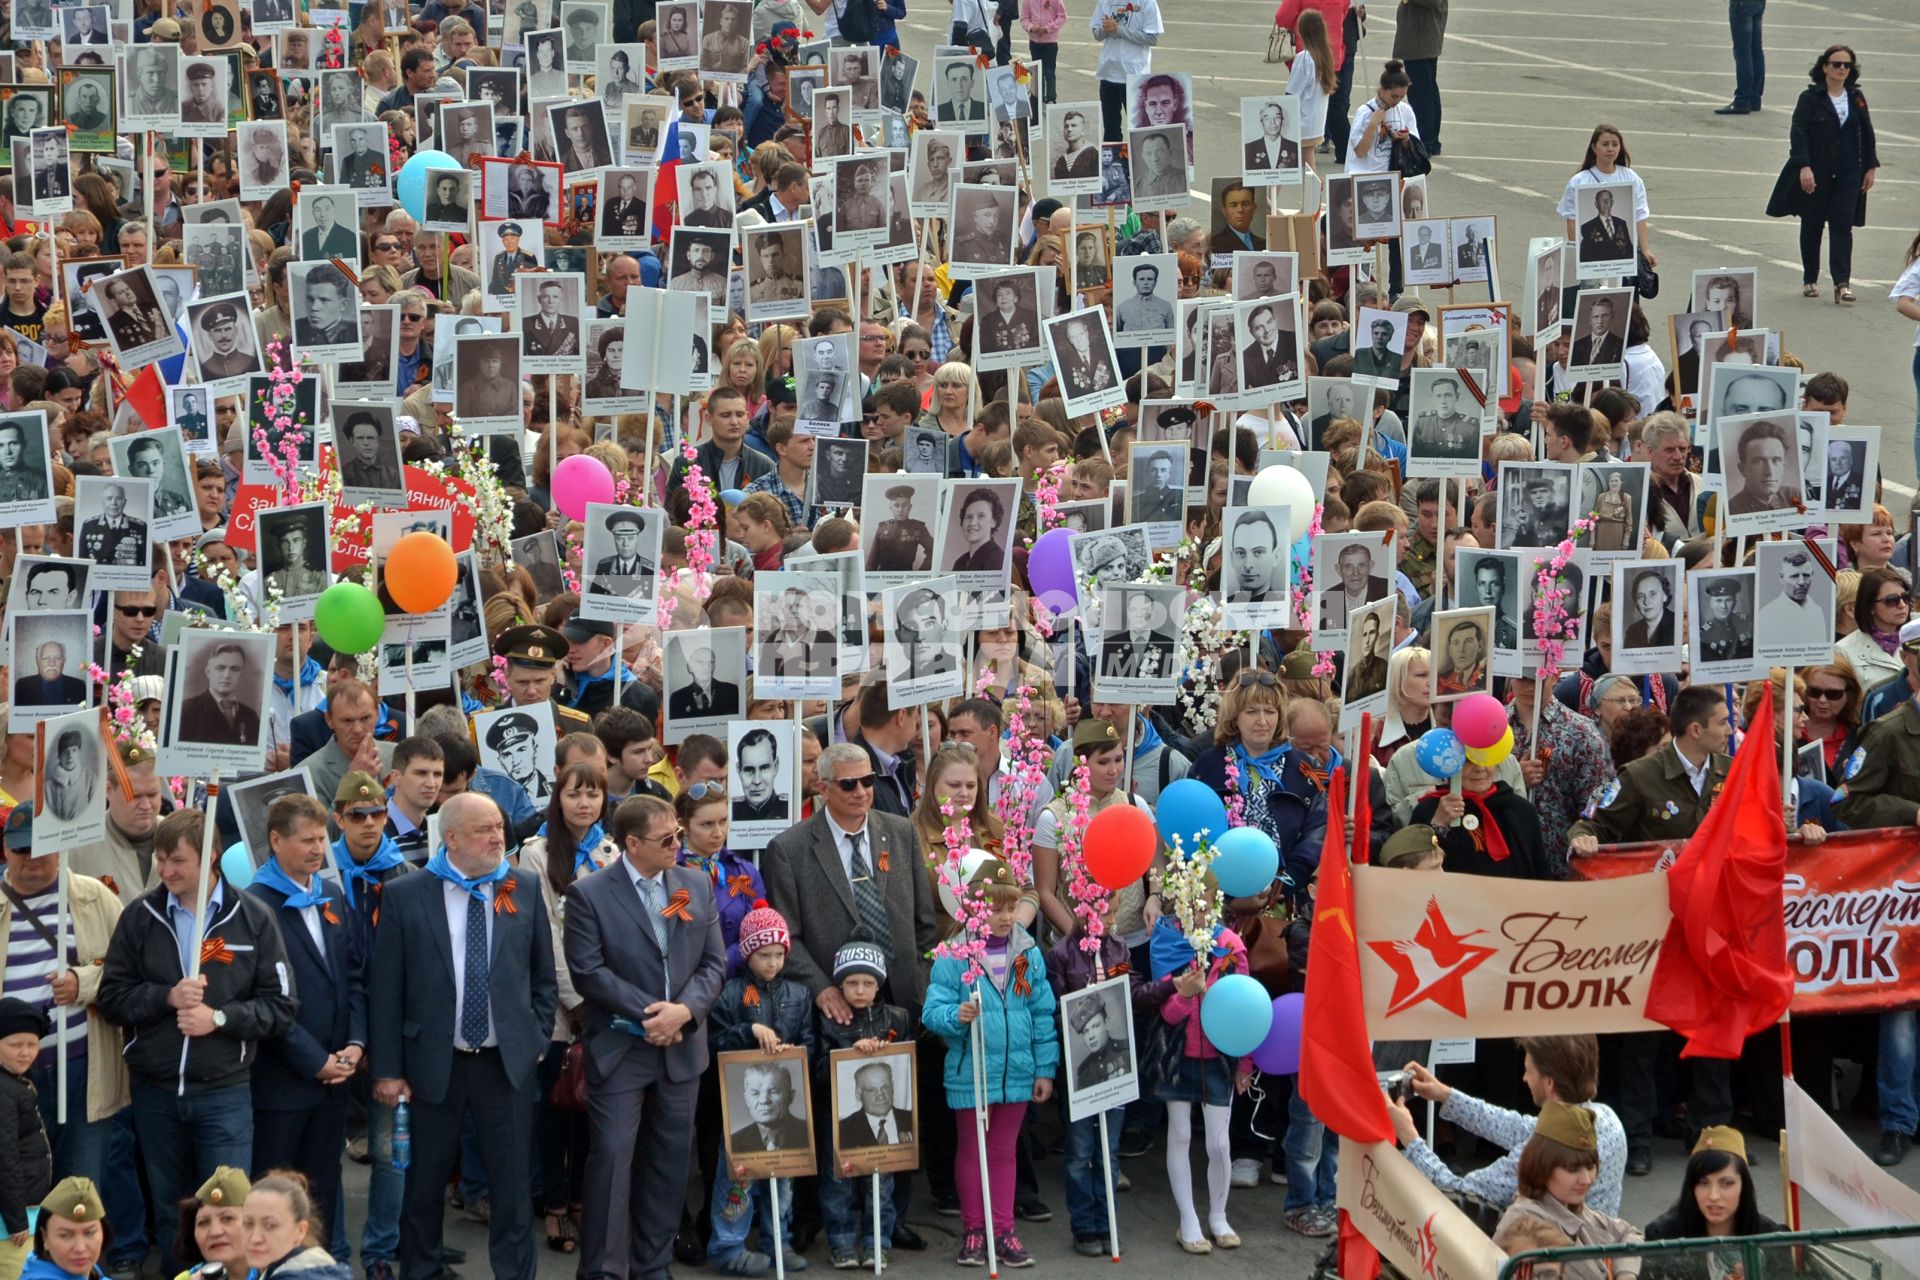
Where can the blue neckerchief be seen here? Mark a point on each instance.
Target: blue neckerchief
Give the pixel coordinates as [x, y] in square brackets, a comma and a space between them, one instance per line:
[274, 876]
[311, 673]
[1149, 738]
[589, 845]
[39, 1268]
[1169, 951]
[442, 866]
[1267, 764]
[581, 683]
[385, 858]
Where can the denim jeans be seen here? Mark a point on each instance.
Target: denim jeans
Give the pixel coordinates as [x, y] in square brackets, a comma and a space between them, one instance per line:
[1916, 420]
[1086, 1185]
[184, 1138]
[733, 1218]
[1749, 51]
[1899, 1039]
[1313, 1158]
[126, 1202]
[386, 1188]
[846, 1211]
[1423, 95]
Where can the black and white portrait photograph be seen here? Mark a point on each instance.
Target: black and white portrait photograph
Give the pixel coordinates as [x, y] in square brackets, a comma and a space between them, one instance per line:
[1546, 271]
[1350, 572]
[88, 108]
[539, 555]
[518, 741]
[1097, 1046]
[619, 72]
[1255, 567]
[1730, 291]
[1119, 555]
[467, 637]
[51, 171]
[982, 229]
[1162, 98]
[293, 556]
[1088, 516]
[898, 71]
[1606, 240]
[923, 451]
[726, 39]
[1369, 644]
[1270, 140]
[114, 519]
[33, 20]
[225, 347]
[1073, 149]
[26, 469]
[796, 617]
[875, 1106]
[268, 443]
[1448, 420]
[368, 445]
[776, 272]
[51, 652]
[932, 170]
[1092, 256]
[83, 25]
[704, 675]
[1157, 489]
[505, 249]
[1007, 325]
[1462, 660]
[979, 538]
[187, 406]
[70, 809]
[1377, 364]
[621, 556]
[1083, 356]
[547, 311]
[252, 797]
[623, 205]
[466, 132]
[79, 276]
[762, 800]
[1159, 162]
[1850, 478]
[325, 218]
[522, 191]
[697, 262]
[585, 22]
[839, 468]
[546, 65]
[1476, 338]
[581, 139]
[1535, 504]
[1760, 460]
[1473, 250]
[832, 124]
[645, 126]
[1139, 643]
[204, 112]
[1491, 580]
[218, 252]
[826, 383]
[215, 714]
[1144, 291]
[360, 162]
[1007, 100]
[158, 456]
[899, 516]
[28, 108]
[261, 146]
[44, 583]
[606, 390]
[862, 196]
[959, 91]
[1376, 206]
[1265, 275]
[765, 1106]
[1647, 632]
[1614, 496]
[486, 391]
[1737, 388]
[326, 324]
[1599, 333]
[219, 23]
[1266, 333]
[371, 374]
[340, 99]
[677, 35]
[1721, 624]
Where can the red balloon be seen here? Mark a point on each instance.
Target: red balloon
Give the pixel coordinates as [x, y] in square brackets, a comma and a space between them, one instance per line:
[1119, 846]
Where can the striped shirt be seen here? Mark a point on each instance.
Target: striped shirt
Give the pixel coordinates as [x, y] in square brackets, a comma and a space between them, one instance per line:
[30, 972]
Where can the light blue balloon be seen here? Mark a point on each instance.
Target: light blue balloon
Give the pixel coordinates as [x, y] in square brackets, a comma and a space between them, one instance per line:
[733, 497]
[1236, 1015]
[1440, 753]
[1192, 811]
[236, 864]
[1245, 862]
[410, 185]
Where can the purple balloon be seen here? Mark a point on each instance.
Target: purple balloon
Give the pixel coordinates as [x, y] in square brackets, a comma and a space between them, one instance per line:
[1279, 1053]
[1050, 570]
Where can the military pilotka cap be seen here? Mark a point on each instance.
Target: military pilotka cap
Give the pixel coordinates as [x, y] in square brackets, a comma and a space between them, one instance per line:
[1721, 587]
[1720, 1137]
[993, 874]
[227, 1185]
[76, 1200]
[357, 788]
[1408, 845]
[1568, 1125]
[1299, 665]
[532, 645]
[1093, 734]
[133, 754]
[19, 835]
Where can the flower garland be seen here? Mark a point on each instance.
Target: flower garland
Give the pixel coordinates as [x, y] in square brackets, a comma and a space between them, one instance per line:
[703, 537]
[1029, 754]
[968, 943]
[1046, 495]
[1088, 896]
[1303, 596]
[1190, 900]
[1201, 637]
[1553, 621]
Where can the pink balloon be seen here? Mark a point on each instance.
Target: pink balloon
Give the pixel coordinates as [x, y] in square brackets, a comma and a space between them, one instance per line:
[1479, 720]
[579, 480]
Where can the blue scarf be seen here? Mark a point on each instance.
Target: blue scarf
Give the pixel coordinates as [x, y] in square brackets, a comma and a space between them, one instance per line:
[39, 1268]
[581, 683]
[589, 845]
[385, 858]
[274, 876]
[442, 866]
[1149, 738]
[1267, 764]
[1169, 952]
[310, 674]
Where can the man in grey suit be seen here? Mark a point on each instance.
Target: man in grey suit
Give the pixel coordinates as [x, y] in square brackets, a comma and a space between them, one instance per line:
[644, 949]
[459, 1019]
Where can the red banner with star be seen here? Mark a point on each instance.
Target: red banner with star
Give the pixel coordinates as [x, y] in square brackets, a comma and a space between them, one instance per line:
[1445, 956]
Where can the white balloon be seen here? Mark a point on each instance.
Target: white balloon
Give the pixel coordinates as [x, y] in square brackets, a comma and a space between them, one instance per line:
[969, 863]
[1282, 486]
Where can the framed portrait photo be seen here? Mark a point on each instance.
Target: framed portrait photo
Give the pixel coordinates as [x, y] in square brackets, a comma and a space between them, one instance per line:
[766, 1110]
[876, 1111]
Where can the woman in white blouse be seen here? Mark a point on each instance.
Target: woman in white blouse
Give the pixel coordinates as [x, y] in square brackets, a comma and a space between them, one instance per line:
[1382, 118]
[1607, 161]
[1312, 78]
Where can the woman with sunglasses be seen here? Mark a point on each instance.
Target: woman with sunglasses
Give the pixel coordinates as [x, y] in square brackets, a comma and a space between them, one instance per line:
[1831, 162]
[1833, 711]
[1880, 608]
[571, 843]
[1809, 806]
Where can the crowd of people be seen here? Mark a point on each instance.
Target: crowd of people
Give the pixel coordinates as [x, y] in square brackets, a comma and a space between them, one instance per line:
[493, 935]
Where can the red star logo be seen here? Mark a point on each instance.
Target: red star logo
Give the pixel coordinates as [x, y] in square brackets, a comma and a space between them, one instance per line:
[1428, 1246]
[1433, 965]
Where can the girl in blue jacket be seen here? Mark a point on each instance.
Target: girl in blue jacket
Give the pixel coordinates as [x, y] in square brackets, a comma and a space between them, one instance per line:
[1014, 1005]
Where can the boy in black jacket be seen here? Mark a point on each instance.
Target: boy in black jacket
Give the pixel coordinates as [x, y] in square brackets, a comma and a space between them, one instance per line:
[859, 967]
[26, 1170]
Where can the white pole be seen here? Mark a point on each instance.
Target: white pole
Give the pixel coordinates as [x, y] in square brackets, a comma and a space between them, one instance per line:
[879, 1256]
[1106, 1177]
[61, 926]
[206, 874]
[1533, 732]
[779, 1244]
[980, 1135]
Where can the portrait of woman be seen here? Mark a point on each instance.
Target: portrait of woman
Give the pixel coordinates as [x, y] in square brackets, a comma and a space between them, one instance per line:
[1613, 516]
[1652, 598]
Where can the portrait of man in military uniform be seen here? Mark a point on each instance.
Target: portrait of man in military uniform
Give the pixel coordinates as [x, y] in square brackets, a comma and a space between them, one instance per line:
[143, 456]
[1723, 604]
[487, 384]
[1146, 311]
[369, 452]
[1139, 641]
[863, 195]
[757, 774]
[982, 226]
[1158, 492]
[222, 346]
[903, 542]
[775, 259]
[625, 569]
[1097, 1048]
[510, 259]
[293, 556]
[1440, 429]
[220, 712]
[924, 641]
[549, 330]
[115, 535]
[514, 742]
[23, 463]
[1084, 371]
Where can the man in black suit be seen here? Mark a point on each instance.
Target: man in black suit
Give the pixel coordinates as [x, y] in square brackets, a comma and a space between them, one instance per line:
[958, 102]
[299, 1116]
[50, 686]
[1601, 343]
[768, 1092]
[218, 715]
[1423, 254]
[645, 954]
[705, 696]
[1264, 363]
[1138, 650]
[461, 1015]
[1271, 150]
[878, 1123]
[1082, 371]
[1603, 237]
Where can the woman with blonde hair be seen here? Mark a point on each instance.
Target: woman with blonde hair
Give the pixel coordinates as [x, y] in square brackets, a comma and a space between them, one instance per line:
[283, 1232]
[956, 393]
[744, 369]
[1409, 700]
[776, 350]
[378, 284]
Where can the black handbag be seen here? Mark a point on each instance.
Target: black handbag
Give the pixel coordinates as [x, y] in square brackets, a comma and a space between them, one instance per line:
[1646, 281]
[1409, 158]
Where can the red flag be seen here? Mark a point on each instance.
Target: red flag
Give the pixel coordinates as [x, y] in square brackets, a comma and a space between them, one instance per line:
[1336, 1060]
[1723, 974]
[148, 397]
[1359, 1260]
[1363, 798]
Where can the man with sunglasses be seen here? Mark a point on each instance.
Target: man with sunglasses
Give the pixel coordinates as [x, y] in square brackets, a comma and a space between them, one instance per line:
[130, 628]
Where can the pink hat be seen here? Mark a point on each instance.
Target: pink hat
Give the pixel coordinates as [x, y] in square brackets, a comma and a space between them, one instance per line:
[763, 927]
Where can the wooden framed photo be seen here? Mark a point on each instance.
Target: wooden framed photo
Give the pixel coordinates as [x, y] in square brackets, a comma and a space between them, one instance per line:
[767, 1113]
[876, 1112]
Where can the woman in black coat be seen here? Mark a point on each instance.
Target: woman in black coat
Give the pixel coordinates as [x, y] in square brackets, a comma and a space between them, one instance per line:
[1498, 832]
[1831, 161]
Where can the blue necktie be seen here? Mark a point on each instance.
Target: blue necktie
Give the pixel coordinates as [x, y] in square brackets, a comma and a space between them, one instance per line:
[473, 999]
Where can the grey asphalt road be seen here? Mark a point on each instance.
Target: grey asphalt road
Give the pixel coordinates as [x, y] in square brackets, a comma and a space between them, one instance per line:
[1522, 86]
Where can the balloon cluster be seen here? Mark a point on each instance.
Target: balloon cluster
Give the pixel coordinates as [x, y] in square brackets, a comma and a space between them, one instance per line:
[420, 576]
[1480, 722]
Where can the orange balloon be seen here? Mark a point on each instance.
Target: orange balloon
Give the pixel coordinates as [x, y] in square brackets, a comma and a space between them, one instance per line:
[420, 572]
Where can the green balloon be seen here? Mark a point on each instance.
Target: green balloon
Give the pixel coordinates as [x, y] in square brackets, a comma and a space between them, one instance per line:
[349, 618]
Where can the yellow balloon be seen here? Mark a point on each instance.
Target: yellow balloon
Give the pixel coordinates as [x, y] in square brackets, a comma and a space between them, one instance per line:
[1488, 757]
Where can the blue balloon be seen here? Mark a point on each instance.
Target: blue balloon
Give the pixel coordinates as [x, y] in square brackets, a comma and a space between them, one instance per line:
[733, 497]
[1236, 1015]
[1245, 862]
[1440, 753]
[410, 185]
[236, 864]
[1192, 811]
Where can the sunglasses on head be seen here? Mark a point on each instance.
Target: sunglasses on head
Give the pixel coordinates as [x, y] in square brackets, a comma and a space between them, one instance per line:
[1248, 679]
[862, 783]
[701, 790]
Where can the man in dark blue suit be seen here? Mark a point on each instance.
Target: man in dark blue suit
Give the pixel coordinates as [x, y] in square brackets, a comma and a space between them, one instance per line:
[300, 1083]
[460, 1016]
